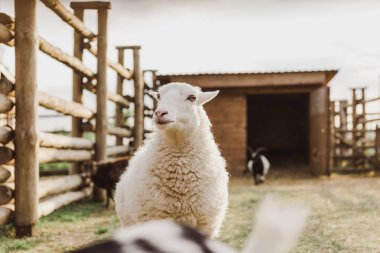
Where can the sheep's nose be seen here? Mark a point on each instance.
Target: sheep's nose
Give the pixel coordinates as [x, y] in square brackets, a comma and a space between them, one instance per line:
[160, 113]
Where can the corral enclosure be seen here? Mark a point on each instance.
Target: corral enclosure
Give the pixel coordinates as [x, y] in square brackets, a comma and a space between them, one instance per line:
[285, 112]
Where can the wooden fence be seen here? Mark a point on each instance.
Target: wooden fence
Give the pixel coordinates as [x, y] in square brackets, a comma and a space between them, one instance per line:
[355, 135]
[24, 197]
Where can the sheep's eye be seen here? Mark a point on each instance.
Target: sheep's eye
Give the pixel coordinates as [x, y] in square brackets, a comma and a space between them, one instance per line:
[158, 96]
[191, 98]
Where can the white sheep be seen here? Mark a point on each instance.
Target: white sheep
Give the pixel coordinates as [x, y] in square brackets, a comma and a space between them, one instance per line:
[179, 173]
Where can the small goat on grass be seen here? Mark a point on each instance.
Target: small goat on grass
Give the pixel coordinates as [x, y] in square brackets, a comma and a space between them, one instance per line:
[179, 173]
[258, 165]
[278, 225]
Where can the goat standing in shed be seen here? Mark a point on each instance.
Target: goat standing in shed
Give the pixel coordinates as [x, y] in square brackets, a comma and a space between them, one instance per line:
[258, 165]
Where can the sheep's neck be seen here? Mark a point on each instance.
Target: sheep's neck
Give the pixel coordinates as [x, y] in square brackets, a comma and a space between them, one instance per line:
[178, 139]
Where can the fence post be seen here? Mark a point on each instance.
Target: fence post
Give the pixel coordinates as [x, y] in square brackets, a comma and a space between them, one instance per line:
[101, 85]
[26, 140]
[138, 81]
[76, 123]
[119, 118]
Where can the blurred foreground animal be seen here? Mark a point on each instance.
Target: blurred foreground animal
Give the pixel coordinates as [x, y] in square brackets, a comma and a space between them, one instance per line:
[179, 173]
[258, 165]
[278, 226]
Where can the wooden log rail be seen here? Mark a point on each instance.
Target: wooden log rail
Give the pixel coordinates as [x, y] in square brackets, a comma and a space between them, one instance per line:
[111, 130]
[48, 155]
[116, 98]
[6, 174]
[51, 204]
[60, 56]
[69, 18]
[120, 69]
[80, 27]
[64, 142]
[50, 186]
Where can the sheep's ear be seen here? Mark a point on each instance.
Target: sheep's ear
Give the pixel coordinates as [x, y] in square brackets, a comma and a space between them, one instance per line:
[206, 96]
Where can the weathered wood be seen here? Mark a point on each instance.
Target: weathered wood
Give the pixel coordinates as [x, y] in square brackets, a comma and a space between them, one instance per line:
[6, 86]
[139, 99]
[76, 130]
[68, 60]
[5, 104]
[377, 151]
[64, 142]
[116, 98]
[6, 20]
[6, 154]
[119, 132]
[5, 34]
[48, 155]
[58, 184]
[6, 215]
[101, 98]
[124, 132]
[119, 117]
[26, 139]
[6, 194]
[6, 134]
[91, 5]
[117, 150]
[49, 205]
[64, 106]
[6, 174]
[119, 68]
[319, 139]
[72, 19]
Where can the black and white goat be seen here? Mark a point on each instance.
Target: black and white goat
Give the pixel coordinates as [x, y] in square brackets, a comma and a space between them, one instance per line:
[258, 165]
[277, 228]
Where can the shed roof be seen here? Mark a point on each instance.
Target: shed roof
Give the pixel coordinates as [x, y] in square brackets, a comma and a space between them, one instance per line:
[252, 79]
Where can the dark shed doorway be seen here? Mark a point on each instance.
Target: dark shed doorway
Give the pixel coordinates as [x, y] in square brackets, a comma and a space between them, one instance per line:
[279, 122]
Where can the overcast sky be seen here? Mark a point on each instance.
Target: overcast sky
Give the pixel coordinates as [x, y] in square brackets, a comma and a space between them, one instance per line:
[183, 36]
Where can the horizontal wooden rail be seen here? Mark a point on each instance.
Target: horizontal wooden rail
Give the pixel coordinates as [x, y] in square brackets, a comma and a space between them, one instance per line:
[64, 142]
[47, 155]
[54, 103]
[120, 69]
[372, 100]
[111, 130]
[65, 58]
[59, 55]
[119, 131]
[117, 150]
[5, 34]
[64, 106]
[5, 104]
[6, 173]
[6, 154]
[6, 134]
[116, 98]
[6, 194]
[5, 215]
[49, 205]
[6, 86]
[69, 18]
[58, 184]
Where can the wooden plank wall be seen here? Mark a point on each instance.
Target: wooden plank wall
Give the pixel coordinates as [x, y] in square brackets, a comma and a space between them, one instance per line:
[228, 114]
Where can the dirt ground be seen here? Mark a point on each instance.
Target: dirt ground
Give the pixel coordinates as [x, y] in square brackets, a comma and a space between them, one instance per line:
[344, 216]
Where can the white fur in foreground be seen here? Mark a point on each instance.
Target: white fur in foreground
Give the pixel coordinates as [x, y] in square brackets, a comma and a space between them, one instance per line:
[277, 229]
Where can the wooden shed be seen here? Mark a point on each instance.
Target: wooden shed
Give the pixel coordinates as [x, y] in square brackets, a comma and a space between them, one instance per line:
[285, 112]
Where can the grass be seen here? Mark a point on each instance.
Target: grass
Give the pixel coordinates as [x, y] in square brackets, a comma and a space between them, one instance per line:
[344, 217]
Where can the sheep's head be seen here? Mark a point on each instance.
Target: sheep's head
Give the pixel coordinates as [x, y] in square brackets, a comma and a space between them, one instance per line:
[179, 106]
